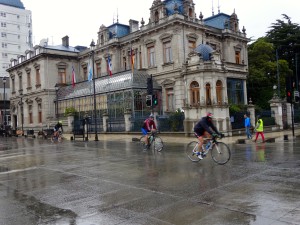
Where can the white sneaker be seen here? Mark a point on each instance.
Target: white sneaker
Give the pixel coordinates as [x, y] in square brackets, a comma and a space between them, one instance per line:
[200, 156]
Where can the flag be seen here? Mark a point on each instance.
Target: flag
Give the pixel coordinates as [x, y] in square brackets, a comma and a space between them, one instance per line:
[132, 59]
[109, 66]
[73, 77]
[90, 72]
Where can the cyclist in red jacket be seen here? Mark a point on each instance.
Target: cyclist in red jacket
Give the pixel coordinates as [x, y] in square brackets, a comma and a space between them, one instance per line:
[148, 126]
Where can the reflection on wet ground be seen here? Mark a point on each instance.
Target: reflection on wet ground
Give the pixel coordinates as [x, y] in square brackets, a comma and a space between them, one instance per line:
[109, 182]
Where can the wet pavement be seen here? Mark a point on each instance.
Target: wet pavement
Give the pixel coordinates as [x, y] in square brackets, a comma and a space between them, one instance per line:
[114, 182]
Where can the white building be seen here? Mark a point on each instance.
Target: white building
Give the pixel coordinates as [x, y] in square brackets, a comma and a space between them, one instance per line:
[15, 38]
[199, 64]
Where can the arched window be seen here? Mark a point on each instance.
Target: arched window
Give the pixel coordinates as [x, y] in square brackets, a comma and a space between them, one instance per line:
[190, 12]
[156, 17]
[219, 92]
[208, 94]
[195, 93]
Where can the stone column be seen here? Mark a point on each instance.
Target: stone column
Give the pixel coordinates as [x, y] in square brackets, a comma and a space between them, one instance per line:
[70, 123]
[276, 109]
[251, 110]
[187, 123]
[127, 117]
[105, 118]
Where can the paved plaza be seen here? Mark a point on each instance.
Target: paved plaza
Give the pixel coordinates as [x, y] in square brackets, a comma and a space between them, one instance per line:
[114, 182]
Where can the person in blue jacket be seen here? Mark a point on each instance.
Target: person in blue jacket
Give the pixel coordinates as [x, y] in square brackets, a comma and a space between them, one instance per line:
[247, 126]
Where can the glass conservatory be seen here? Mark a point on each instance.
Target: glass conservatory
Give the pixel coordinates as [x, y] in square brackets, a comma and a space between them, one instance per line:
[115, 95]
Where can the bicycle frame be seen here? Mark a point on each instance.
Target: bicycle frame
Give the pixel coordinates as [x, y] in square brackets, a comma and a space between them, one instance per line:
[220, 152]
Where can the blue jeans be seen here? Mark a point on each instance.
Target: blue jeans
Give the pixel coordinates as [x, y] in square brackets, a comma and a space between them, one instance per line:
[249, 136]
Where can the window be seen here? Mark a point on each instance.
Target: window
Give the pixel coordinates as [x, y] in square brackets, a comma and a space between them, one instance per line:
[28, 80]
[190, 12]
[151, 56]
[170, 99]
[3, 14]
[192, 45]
[219, 92]
[4, 55]
[237, 57]
[37, 77]
[85, 73]
[3, 24]
[195, 93]
[156, 17]
[30, 116]
[235, 91]
[39, 113]
[13, 85]
[124, 63]
[208, 94]
[167, 52]
[3, 34]
[98, 68]
[4, 45]
[62, 76]
[20, 83]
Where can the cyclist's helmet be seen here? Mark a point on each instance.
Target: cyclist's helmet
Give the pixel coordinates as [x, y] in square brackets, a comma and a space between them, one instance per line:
[151, 116]
[209, 115]
[60, 122]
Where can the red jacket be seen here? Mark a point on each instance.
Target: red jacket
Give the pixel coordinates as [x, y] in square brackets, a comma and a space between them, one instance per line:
[149, 124]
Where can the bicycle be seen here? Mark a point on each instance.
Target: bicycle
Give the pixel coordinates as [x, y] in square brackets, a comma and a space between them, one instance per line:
[154, 141]
[220, 152]
[57, 138]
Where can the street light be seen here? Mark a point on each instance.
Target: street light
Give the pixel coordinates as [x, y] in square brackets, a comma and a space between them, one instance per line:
[4, 105]
[22, 115]
[92, 45]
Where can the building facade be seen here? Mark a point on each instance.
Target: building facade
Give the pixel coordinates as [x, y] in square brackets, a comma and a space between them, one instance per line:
[15, 39]
[199, 64]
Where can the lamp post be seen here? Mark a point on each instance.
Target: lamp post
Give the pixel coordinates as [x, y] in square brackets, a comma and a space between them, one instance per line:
[92, 45]
[56, 101]
[22, 115]
[4, 104]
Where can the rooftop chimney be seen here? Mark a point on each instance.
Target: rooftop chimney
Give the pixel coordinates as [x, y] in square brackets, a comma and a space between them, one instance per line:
[65, 41]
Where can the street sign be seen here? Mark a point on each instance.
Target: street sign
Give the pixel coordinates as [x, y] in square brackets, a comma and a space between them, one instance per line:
[296, 93]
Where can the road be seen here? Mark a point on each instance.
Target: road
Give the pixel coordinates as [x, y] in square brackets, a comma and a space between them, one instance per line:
[116, 183]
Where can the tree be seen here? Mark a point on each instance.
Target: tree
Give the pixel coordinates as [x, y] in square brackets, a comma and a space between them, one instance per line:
[285, 36]
[263, 72]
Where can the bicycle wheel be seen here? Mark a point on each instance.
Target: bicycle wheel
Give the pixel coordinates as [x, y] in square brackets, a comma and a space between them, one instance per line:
[189, 151]
[158, 144]
[142, 142]
[220, 153]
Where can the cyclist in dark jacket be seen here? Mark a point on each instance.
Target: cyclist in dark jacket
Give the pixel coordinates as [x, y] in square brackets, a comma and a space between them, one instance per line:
[57, 127]
[205, 128]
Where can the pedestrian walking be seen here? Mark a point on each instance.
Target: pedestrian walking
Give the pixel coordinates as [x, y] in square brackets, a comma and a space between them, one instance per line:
[259, 129]
[247, 126]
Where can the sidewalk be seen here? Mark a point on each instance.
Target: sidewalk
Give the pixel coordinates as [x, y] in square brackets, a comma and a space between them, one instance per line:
[167, 138]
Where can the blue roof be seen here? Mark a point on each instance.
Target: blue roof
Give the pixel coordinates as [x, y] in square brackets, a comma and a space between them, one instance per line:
[217, 21]
[205, 51]
[169, 4]
[13, 3]
[118, 30]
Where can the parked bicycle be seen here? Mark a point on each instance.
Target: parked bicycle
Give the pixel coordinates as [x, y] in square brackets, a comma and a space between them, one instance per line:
[57, 138]
[220, 152]
[154, 140]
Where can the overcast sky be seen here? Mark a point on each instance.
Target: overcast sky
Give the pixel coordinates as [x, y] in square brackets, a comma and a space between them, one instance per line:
[80, 20]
